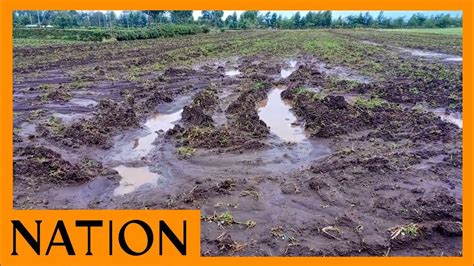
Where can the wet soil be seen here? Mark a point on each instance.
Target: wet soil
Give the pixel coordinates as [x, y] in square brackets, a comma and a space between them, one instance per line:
[284, 156]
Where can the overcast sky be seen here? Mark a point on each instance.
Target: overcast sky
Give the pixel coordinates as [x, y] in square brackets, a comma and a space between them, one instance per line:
[336, 14]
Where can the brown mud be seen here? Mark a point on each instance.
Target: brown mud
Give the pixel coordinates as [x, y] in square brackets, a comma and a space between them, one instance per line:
[287, 156]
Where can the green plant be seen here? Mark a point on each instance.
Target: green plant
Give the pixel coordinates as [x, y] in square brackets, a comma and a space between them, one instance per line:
[369, 103]
[409, 229]
[55, 124]
[300, 90]
[185, 152]
[225, 218]
[35, 114]
[259, 85]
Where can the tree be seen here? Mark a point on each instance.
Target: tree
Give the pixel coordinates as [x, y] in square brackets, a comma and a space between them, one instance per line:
[267, 19]
[64, 20]
[398, 22]
[181, 16]
[338, 23]
[367, 20]
[274, 20]
[216, 17]
[416, 20]
[326, 19]
[111, 18]
[250, 16]
[206, 16]
[285, 23]
[248, 19]
[297, 23]
[157, 16]
[232, 21]
[311, 20]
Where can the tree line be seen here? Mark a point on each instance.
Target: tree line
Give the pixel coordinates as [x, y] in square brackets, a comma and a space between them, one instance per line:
[215, 18]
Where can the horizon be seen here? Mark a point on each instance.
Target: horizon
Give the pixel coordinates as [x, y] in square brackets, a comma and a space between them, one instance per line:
[335, 13]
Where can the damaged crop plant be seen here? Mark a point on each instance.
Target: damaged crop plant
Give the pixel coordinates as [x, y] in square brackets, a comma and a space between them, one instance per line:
[323, 141]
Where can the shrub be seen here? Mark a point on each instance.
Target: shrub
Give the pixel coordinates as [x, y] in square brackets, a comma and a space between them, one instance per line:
[157, 31]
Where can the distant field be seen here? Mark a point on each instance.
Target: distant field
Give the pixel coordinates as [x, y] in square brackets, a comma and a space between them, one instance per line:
[21, 42]
[449, 31]
[99, 35]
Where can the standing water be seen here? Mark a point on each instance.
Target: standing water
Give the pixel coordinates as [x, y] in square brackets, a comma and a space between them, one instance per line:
[142, 146]
[453, 118]
[133, 178]
[232, 72]
[277, 115]
[429, 54]
[286, 72]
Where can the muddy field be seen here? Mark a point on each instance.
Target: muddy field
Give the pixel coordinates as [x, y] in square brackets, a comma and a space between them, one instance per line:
[291, 143]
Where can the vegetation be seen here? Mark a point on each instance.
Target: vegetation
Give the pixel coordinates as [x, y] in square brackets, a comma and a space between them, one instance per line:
[369, 103]
[214, 18]
[185, 152]
[448, 31]
[405, 230]
[168, 30]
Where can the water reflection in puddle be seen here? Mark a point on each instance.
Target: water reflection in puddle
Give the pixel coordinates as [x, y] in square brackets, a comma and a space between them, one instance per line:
[454, 59]
[232, 72]
[142, 146]
[83, 102]
[133, 178]
[453, 118]
[286, 72]
[277, 115]
[428, 54]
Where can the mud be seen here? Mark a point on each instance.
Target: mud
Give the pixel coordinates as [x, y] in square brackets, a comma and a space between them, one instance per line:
[289, 155]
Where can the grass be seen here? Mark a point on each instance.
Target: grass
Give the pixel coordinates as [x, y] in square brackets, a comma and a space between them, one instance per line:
[55, 124]
[280, 233]
[250, 192]
[185, 152]
[369, 103]
[225, 218]
[404, 230]
[259, 85]
[448, 31]
[38, 42]
[33, 115]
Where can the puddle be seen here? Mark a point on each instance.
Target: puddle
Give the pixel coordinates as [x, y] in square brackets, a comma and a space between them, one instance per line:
[277, 115]
[428, 163]
[371, 43]
[342, 73]
[232, 72]
[286, 72]
[453, 59]
[142, 146]
[27, 129]
[83, 102]
[133, 178]
[453, 118]
[70, 117]
[434, 55]
[313, 89]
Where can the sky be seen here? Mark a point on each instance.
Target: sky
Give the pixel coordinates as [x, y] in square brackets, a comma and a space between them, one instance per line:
[336, 14]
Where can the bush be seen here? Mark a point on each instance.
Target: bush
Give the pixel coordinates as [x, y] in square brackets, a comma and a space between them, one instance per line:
[62, 34]
[158, 31]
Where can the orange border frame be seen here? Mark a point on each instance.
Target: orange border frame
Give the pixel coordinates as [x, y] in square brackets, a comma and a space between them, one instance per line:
[6, 139]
